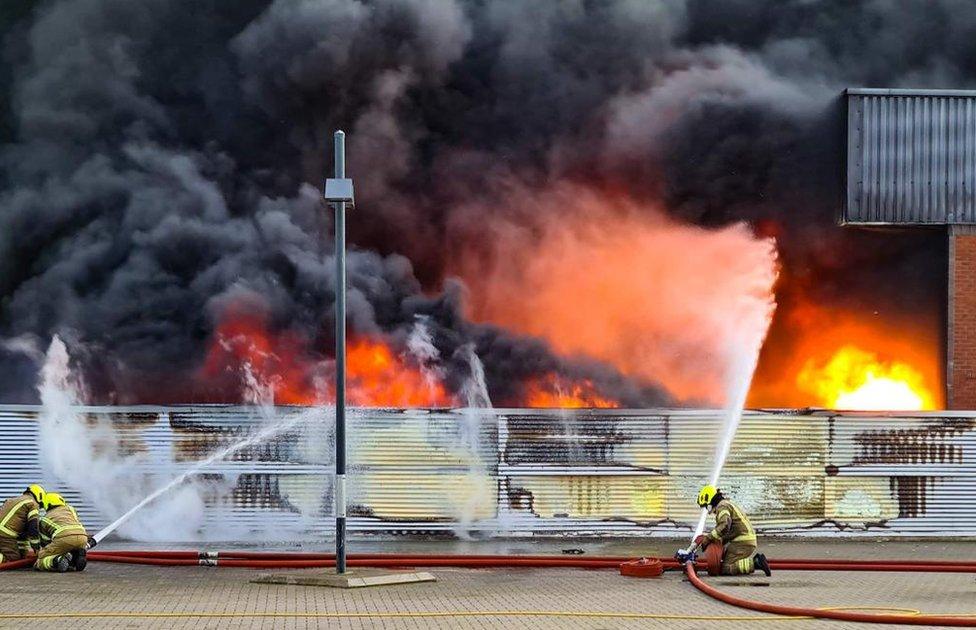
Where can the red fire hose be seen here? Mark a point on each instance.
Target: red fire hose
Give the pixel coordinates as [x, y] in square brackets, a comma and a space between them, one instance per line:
[265, 560]
[287, 555]
[255, 560]
[841, 615]
[295, 560]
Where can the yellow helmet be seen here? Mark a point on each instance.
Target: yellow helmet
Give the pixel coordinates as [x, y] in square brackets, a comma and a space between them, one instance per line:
[706, 495]
[52, 499]
[35, 491]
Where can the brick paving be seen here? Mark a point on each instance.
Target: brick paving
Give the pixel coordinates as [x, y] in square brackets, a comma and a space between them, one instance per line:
[144, 590]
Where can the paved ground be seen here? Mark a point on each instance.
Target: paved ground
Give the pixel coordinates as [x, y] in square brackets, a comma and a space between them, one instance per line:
[198, 598]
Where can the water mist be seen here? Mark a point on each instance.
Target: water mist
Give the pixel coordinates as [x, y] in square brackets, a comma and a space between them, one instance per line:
[748, 320]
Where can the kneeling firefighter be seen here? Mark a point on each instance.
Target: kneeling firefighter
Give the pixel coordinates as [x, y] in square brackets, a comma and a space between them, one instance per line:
[734, 531]
[19, 521]
[64, 537]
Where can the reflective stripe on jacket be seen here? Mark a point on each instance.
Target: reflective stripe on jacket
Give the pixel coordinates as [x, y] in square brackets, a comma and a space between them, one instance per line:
[19, 518]
[731, 524]
[61, 521]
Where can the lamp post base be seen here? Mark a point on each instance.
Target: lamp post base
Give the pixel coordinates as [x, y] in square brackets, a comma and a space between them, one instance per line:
[352, 578]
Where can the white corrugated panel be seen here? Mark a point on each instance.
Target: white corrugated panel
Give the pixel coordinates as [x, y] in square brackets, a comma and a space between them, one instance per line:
[911, 156]
[513, 472]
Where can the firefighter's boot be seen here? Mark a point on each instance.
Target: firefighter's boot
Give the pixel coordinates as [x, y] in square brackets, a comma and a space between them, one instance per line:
[79, 560]
[60, 564]
[762, 563]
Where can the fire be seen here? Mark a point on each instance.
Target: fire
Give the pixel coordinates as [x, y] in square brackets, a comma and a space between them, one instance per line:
[379, 378]
[552, 392]
[273, 362]
[620, 282]
[826, 357]
[283, 367]
[857, 379]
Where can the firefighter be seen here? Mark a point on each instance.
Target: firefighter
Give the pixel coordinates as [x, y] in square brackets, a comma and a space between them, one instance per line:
[734, 531]
[19, 521]
[65, 539]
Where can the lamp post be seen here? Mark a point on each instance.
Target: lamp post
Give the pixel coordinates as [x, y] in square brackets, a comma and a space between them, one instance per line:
[338, 192]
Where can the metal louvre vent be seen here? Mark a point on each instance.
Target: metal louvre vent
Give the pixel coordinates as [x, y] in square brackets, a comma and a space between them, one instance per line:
[518, 472]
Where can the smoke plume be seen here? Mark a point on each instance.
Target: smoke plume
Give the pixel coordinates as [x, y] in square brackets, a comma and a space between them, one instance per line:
[161, 161]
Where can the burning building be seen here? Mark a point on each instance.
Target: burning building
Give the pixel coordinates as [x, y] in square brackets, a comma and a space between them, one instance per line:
[579, 193]
[911, 161]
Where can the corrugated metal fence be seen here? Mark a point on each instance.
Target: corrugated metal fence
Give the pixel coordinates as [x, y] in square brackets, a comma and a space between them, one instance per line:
[506, 472]
[911, 156]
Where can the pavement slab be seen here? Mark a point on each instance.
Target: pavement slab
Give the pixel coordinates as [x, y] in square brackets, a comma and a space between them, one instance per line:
[117, 596]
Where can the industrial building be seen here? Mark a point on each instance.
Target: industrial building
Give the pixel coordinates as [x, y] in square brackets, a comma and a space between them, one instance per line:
[911, 161]
[517, 472]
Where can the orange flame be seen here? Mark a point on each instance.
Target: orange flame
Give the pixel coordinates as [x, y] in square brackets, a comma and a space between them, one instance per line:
[283, 366]
[824, 357]
[552, 392]
[856, 379]
[620, 282]
[379, 378]
[275, 361]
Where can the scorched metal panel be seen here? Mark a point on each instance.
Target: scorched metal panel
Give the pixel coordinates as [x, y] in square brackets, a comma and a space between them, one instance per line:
[501, 471]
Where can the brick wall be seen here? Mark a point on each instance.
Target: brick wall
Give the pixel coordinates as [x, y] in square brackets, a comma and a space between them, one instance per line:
[962, 319]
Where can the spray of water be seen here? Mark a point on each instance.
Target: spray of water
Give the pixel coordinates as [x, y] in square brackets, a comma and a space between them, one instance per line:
[743, 371]
[420, 345]
[258, 393]
[261, 436]
[748, 322]
[477, 487]
[474, 389]
[84, 454]
[81, 453]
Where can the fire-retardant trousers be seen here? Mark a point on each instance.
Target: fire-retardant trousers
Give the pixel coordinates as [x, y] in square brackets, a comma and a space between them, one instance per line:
[737, 558]
[10, 550]
[58, 547]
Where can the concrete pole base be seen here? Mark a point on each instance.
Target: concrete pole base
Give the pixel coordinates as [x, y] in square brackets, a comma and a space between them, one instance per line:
[353, 578]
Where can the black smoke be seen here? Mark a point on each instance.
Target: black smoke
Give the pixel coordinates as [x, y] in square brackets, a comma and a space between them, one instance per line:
[161, 157]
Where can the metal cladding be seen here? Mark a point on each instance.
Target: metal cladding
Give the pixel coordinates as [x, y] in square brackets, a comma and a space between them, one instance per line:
[911, 157]
[523, 472]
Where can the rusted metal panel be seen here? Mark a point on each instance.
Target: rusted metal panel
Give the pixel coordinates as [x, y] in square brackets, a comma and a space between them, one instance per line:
[523, 472]
[911, 157]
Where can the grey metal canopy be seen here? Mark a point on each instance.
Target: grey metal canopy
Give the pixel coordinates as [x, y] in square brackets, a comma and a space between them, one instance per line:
[911, 157]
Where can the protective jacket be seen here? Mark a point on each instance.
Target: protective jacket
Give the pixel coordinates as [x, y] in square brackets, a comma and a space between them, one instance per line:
[731, 525]
[60, 521]
[19, 519]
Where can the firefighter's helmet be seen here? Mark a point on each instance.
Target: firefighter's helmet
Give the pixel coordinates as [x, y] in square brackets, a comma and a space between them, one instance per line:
[706, 496]
[35, 491]
[52, 499]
